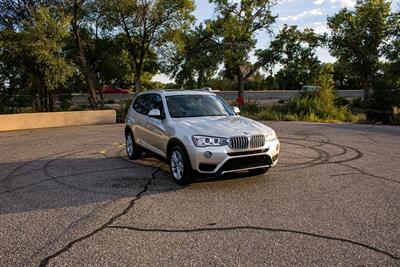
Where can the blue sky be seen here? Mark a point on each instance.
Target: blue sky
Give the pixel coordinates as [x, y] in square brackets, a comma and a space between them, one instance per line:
[304, 13]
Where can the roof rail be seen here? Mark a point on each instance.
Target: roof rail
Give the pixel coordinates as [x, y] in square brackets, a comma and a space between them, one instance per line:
[207, 89]
[203, 89]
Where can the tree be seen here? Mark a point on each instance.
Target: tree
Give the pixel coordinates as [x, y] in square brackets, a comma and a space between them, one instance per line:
[77, 8]
[44, 37]
[147, 25]
[358, 37]
[295, 52]
[32, 56]
[392, 47]
[237, 24]
[197, 56]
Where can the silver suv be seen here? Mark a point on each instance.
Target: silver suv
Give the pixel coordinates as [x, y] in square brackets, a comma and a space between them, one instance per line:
[198, 132]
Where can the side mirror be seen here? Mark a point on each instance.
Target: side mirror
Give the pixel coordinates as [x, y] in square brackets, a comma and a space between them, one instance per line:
[236, 110]
[155, 113]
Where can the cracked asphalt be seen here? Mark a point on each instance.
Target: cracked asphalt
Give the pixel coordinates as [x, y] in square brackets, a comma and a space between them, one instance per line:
[70, 197]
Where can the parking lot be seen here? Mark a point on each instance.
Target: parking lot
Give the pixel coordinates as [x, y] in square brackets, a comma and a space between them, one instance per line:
[70, 197]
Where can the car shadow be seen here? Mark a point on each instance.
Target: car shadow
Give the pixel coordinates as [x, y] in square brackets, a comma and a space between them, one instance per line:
[78, 180]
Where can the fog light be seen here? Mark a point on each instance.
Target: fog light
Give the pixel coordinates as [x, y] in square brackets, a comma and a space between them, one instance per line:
[207, 154]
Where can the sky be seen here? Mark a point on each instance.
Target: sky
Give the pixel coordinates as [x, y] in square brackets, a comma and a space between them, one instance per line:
[303, 13]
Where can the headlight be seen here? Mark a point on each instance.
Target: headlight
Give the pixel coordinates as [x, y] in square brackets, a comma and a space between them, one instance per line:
[272, 136]
[204, 141]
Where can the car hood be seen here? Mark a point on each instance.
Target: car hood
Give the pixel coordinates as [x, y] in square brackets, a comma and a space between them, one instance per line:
[226, 126]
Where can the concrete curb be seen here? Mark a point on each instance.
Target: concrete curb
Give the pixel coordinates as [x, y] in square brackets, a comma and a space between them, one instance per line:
[25, 121]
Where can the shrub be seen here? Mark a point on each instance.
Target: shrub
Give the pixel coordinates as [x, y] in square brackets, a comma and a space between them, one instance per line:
[122, 110]
[319, 106]
[250, 107]
[341, 101]
[395, 116]
[357, 103]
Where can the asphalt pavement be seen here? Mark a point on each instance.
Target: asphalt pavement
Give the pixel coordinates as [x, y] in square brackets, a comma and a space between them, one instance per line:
[70, 197]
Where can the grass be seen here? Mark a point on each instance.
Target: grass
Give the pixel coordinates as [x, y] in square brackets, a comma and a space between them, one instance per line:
[280, 113]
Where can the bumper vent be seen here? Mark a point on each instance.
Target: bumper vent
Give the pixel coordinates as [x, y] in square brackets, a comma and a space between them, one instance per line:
[244, 142]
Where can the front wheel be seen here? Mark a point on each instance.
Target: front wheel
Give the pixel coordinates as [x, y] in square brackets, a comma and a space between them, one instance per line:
[180, 166]
[258, 171]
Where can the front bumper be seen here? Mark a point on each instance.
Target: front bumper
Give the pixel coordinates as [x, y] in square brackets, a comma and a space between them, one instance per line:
[225, 159]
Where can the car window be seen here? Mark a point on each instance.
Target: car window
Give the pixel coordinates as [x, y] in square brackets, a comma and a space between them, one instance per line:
[157, 103]
[197, 106]
[142, 104]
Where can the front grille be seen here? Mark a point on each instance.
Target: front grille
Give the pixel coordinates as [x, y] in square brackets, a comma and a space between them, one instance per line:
[244, 142]
[239, 142]
[257, 141]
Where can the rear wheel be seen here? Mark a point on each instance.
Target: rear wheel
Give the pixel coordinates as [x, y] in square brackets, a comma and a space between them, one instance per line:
[179, 164]
[133, 151]
[258, 171]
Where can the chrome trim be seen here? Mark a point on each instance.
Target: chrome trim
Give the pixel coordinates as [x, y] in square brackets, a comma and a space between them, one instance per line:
[239, 142]
[245, 142]
[257, 141]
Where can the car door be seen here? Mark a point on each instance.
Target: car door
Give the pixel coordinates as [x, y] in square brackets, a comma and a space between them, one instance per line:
[141, 106]
[155, 134]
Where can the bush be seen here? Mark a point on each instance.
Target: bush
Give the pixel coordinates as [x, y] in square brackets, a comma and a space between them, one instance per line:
[319, 106]
[384, 99]
[395, 116]
[122, 110]
[250, 107]
[357, 103]
[221, 84]
[65, 101]
[341, 101]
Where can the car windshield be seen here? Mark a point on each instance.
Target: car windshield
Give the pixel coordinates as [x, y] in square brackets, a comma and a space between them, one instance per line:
[181, 106]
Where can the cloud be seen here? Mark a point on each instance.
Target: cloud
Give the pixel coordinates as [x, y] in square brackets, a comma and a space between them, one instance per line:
[344, 3]
[320, 27]
[318, 2]
[312, 12]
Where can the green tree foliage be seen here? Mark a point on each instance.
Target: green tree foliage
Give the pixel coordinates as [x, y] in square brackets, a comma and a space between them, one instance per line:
[358, 37]
[37, 48]
[197, 58]
[295, 52]
[236, 25]
[147, 25]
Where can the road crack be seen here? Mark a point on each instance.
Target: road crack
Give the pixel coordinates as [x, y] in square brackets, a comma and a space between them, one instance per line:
[255, 228]
[132, 202]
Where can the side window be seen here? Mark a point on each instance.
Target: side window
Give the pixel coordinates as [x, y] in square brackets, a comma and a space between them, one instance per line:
[157, 103]
[142, 104]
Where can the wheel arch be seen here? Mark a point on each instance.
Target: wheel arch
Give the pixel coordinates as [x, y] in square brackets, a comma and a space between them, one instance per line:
[128, 129]
[175, 141]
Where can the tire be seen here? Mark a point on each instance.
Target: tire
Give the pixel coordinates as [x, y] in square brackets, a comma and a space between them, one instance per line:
[133, 151]
[258, 171]
[180, 166]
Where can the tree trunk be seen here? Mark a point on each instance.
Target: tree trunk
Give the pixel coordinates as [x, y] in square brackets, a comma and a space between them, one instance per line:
[240, 87]
[201, 79]
[138, 76]
[138, 85]
[366, 87]
[89, 77]
[51, 102]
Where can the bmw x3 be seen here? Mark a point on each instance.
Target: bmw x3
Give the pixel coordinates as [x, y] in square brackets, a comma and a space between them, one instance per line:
[198, 132]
